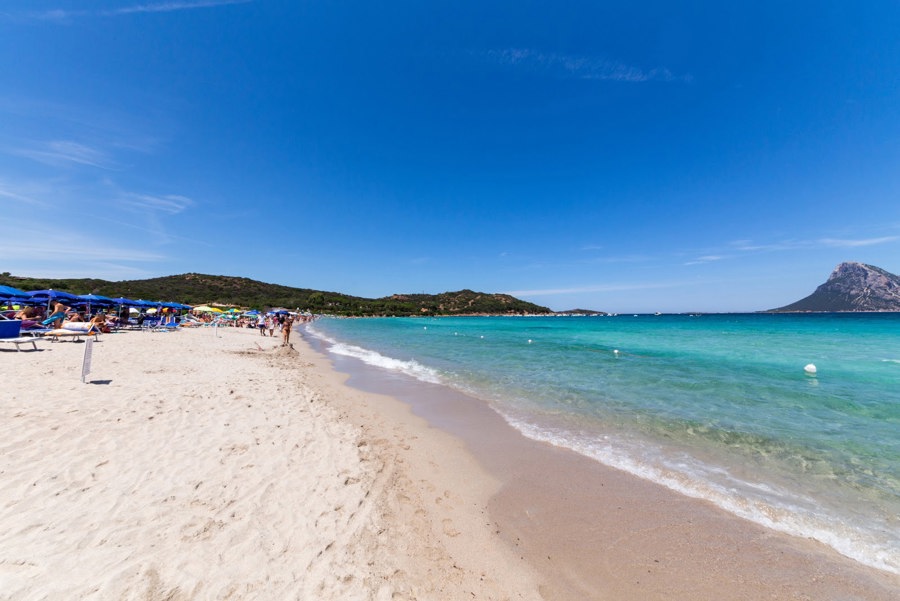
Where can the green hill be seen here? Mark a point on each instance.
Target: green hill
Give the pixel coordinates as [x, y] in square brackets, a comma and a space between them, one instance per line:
[196, 289]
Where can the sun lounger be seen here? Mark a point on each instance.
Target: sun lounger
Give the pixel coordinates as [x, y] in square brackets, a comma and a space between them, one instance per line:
[73, 335]
[9, 334]
[35, 332]
[20, 341]
[74, 331]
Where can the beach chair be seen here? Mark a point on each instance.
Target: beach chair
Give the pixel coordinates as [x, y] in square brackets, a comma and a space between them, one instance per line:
[73, 331]
[74, 336]
[169, 326]
[189, 321]
[10, 333]
[149, 325]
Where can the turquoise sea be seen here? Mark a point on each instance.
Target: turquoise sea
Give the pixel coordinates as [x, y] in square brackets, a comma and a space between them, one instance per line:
[717, 407]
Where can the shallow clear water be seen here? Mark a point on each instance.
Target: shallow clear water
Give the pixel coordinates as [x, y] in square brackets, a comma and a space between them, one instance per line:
[714, 406]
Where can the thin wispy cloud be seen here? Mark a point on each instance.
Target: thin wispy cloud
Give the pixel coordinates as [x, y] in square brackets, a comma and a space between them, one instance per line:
[62, 14]
[171, 204]
[153, 211]
[165, 7]
[156, 232]
[855, 243]
[10, 194]
[60, 152]
[581, 67]
[748, 246]
[611, 260]
[92, 131]
[45, 242]
[103, 270]
[706, 259]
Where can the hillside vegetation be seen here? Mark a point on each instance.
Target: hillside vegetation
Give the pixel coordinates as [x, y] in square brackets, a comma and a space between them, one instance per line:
[197, 289]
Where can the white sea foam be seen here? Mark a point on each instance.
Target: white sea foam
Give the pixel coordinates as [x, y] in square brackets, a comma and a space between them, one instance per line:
[411, 368]
[764, 504]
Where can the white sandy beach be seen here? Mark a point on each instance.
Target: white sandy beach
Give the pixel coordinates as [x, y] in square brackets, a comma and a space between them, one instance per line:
[200, 467]
[205, 464]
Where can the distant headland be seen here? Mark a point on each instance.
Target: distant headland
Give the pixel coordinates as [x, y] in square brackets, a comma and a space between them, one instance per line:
[851, 287]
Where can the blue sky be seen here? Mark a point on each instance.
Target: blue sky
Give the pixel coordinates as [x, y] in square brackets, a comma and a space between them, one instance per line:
[653, 156]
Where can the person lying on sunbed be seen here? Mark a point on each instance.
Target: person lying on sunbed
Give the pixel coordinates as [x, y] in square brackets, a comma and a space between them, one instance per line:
[26, 313]
[99, 321]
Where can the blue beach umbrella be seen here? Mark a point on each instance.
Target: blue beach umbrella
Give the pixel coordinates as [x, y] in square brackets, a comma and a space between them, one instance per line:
[42, 296]
[125, 301]
[171, 305]
[144, 304]
[7, 291]
[95, 299]
[50, 295]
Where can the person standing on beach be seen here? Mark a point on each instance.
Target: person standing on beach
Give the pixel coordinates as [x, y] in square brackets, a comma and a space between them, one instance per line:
[286, 331]
[261, 324]
[57, 316]
[270, 325]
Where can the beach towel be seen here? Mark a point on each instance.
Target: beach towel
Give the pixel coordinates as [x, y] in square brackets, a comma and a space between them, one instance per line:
[78, 326]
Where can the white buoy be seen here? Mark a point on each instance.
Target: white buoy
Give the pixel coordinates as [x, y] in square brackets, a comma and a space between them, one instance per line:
[616, 352]
[810, 370]
[529, 341]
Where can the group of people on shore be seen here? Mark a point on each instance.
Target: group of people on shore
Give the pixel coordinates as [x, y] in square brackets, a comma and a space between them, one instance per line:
[284, 322]
[57, 313]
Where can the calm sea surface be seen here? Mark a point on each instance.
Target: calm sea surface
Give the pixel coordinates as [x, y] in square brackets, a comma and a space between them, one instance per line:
[714, 406]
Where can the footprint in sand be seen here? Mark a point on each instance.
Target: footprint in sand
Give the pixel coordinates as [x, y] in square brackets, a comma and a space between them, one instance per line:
[449, 530]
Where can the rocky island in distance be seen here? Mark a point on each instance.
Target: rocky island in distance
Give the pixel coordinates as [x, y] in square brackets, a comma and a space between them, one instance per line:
[851, 287]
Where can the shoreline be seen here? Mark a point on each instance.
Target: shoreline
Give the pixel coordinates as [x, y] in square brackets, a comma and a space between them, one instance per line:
[592, 531]
[205, 464]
